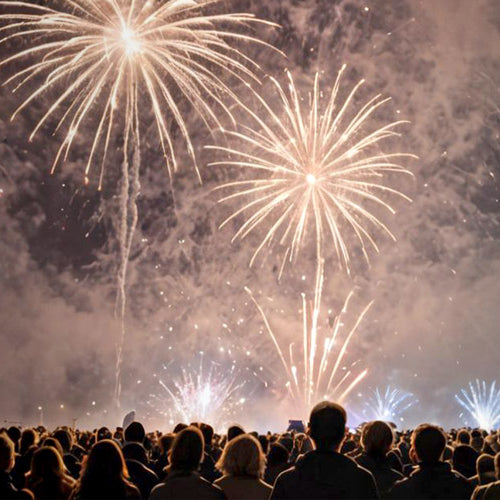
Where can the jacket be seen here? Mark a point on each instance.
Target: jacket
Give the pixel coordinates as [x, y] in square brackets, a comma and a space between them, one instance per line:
[325, 475]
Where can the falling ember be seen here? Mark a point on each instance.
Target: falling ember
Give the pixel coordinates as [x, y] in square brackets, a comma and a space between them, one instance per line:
[102, 57]
[201, 395]
[482, 403]
[388, 405]
[318, 371]
[312, 170]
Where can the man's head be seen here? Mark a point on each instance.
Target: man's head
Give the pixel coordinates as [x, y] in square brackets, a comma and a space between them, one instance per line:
[14, 434]
[208, 433]
[234, 431]
[485, 468]
[427, 443]
[463, 437]
[7, 453]
[327, 425]
[377, 438]
[135, 432]
[186, 453]
[103, 433]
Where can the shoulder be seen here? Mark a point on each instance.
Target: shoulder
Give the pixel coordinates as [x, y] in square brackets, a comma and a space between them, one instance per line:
[215, 490]
[463, 483]
[265, 485]
[357, 470]
[132, 492]
[478, 493]
[68, 481]
[492, 491]
[287, 474]
[158, 491]
[400, 487]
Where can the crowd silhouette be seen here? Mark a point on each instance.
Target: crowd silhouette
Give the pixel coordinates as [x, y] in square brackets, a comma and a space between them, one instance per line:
[193, 462]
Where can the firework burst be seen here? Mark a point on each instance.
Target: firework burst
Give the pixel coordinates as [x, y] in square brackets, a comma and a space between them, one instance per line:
[103, 61]
[482, 403]
[388, 405]
[204, 394]
[319, 371]
[312, 169]
[103, 55]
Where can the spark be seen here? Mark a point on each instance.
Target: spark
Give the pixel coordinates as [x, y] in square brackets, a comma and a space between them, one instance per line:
[482, 403]
[318, 372]
[389, 404]
[312, 169]
[100, 62]
[202, 395]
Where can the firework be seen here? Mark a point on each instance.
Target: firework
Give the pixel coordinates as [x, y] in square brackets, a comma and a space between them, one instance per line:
[201, 395]
[482, 403]
[319, 371]
[103, 61]
[312, 170]
[388, 405]
[102, 55]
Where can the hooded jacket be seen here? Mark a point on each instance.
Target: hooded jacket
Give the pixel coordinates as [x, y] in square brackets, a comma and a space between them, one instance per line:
[319, 475]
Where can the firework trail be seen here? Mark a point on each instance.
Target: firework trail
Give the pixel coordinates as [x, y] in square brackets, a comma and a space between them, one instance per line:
[388, 405]
[311, 170]
[317, 372]
[201, 395]
[102, 59]
[482, 403]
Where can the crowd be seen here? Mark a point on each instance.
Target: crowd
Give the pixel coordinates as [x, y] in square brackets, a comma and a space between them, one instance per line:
[193, 462]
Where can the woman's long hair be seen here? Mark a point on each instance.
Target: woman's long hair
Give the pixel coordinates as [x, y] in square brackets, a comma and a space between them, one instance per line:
[47, 477]
[104, 474]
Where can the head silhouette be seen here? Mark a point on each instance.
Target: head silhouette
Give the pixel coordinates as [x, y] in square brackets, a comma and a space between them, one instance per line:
[104, 472]
[187, 450]
[463, 437]
[327, 425]
[377, 438]
[64, 437]
[485, 468]
[7, 453]
[277, 455]
[234, 431]
[242, 457]
[106, 460]
[135, 432]
[428, 443]
[46, 464]
[208, 433]
[28, 438]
